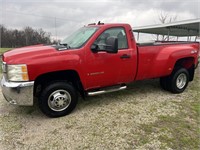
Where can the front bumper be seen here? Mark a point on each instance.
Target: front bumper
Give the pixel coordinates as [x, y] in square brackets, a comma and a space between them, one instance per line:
[18, 93]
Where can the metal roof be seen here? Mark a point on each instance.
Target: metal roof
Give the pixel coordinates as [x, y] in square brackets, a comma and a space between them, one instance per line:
[180, 28]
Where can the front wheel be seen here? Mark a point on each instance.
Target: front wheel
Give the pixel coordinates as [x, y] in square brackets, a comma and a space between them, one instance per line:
[58, 99]
[179, 80]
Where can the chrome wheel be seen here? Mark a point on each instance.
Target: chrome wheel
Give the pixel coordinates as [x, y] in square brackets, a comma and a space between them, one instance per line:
[59, 100]
[181, 81]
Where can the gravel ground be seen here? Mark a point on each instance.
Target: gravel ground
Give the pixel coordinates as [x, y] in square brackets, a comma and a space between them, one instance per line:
[112, 121]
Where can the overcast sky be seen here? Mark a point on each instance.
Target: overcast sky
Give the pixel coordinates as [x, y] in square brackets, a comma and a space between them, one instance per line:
[65, 16]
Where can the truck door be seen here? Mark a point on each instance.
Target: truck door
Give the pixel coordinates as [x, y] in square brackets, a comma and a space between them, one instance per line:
[105, 69]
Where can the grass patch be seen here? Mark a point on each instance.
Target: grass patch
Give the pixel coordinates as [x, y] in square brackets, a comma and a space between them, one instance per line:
[2, 50]
[196, 107]
[181, 131]
[184, 134]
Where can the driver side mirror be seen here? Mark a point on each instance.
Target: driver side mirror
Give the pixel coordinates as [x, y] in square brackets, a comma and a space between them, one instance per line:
[94, 48]
[110, 46]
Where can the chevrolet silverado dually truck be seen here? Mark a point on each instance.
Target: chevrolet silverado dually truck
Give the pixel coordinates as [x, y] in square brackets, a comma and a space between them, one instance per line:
[96, 59]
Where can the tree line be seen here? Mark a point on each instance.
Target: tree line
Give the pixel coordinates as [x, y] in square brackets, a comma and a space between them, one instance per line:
[27, 36]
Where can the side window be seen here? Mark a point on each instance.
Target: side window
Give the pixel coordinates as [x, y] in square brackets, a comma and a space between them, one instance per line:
[114, 32]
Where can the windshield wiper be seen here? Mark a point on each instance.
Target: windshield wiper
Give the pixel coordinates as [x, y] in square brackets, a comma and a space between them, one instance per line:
[61, 46]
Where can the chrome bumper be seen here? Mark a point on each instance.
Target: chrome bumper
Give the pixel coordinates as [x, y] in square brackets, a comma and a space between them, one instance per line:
[18, 93]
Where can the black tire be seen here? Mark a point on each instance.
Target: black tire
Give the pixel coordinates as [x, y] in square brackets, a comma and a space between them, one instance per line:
[164, 83]
[58, 99]
[178, 80]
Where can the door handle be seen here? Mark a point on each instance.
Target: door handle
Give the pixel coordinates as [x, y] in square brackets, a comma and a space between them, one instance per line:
[125, 56]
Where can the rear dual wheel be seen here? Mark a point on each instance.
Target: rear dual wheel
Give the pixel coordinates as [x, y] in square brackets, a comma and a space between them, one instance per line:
[177, 81]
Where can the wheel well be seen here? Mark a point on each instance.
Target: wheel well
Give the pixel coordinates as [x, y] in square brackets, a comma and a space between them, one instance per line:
[68, 75]
[187, 63]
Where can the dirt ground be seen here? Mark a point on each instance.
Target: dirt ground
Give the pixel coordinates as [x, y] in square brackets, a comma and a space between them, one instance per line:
[141, 117]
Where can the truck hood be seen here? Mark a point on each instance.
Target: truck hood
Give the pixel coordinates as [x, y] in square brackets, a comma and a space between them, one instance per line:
[28, 53]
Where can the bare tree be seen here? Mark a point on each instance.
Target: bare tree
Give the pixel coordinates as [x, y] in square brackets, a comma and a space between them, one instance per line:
[163, 18]
[166, 17]
[27, 36]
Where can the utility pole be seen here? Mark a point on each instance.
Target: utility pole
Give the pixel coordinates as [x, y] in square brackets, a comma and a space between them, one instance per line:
[0, 34]
[56, 29]
[1, 23]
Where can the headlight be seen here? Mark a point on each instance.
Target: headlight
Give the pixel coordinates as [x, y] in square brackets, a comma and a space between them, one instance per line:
[17, 72]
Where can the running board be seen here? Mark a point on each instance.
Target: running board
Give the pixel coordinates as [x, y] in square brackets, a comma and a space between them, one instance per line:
[106, 91]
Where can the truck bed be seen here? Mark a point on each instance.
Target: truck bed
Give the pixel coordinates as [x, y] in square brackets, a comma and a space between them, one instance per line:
[156, 59]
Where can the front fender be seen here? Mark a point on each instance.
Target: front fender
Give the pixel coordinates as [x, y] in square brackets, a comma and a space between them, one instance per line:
[55, 63]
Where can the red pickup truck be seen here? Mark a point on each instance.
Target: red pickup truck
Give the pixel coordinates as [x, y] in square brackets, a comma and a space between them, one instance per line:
[96, 59]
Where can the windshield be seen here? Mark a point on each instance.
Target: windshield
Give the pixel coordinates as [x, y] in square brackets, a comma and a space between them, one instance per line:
[80, 37]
